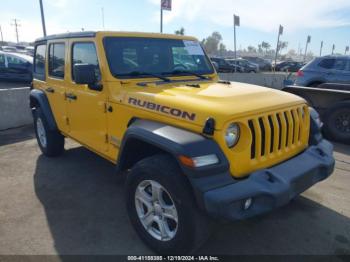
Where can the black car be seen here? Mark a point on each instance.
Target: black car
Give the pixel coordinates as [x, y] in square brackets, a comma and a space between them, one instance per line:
[263, 64]
[288, 66]
[248, 66]
[15, 67]
[226, 67]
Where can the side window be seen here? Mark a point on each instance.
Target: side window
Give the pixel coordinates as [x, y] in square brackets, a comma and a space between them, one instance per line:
[15, 60]
[340, 64]
[56, 60]
[327, 63]
[85, 53]
[2, 60]
[39, 60]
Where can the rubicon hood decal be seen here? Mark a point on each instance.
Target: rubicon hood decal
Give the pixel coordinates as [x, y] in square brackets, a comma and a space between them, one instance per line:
[162, 109]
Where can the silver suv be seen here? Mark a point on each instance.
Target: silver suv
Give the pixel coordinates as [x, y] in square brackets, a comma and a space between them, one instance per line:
[326, 69]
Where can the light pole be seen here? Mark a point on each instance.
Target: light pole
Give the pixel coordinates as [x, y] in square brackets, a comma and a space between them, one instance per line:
[333, 48]
[103, 17]
[2, 37]
[307, 43]
[346, 49]
[164, 5]
[280, 32]
[321, 48]
[236, 22]
[42, 17]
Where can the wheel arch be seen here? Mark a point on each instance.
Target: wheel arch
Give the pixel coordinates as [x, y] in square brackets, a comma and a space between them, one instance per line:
[38, 98]
[145, 138]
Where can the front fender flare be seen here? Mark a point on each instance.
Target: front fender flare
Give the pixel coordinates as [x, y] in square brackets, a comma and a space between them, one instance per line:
[39, 98]
[176, 142]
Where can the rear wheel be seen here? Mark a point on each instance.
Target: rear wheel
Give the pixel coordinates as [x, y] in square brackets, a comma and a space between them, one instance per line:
[51, 142]
[337, 123]
[162, 209]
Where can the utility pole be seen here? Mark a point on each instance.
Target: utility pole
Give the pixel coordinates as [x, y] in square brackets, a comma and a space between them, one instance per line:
[280, 32]
[103, 17]
[321, 48]
[333, 47]
[42, 17]
[236, 22]
[16, 25]
[308, 40]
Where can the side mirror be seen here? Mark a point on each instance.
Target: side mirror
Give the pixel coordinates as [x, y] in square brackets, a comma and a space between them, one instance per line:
[84, 74]
[216, 66]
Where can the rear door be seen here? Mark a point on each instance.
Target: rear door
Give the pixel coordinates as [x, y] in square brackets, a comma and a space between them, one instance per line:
[87, 109]
[341, 73]
[55, 87]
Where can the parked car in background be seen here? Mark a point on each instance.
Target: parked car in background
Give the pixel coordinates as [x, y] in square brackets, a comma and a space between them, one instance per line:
[326, 69]
[15, 67]
[226, 67]
[248, 66]
[288, 66]
[264, 64]
[9, 49]
[30, 50]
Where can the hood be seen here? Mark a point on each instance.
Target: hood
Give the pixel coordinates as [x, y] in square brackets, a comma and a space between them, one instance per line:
[223, 102]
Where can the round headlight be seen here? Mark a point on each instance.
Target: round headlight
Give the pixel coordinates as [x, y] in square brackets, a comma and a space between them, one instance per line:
[232, 135]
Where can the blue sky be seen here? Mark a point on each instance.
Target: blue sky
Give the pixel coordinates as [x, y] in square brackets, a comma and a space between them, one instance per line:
[322, 19]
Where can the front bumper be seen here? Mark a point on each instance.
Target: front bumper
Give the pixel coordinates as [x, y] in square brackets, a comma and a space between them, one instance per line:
[273, 187]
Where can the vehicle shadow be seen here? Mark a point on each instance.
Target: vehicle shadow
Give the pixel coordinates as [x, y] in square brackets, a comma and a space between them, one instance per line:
[84, 204]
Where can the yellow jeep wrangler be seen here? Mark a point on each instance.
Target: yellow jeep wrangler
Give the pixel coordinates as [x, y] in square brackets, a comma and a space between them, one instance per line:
[193, 147]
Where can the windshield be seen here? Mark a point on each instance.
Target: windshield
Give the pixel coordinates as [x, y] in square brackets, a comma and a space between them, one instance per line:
[135, 57]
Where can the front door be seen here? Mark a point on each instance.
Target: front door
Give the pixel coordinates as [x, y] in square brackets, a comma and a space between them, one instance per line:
[87, 107]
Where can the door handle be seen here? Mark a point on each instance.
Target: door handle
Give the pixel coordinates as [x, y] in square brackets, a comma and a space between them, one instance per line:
[50, 90]
[71, 96]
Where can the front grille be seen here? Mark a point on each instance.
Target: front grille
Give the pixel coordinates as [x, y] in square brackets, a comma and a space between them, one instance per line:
[277, 131]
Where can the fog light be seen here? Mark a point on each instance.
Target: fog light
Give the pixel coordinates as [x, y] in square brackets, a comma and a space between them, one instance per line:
[247, 203]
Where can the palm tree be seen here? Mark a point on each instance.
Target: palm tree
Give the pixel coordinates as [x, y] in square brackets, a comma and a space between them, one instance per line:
[282, 45]
[265, 45]
[181, 31]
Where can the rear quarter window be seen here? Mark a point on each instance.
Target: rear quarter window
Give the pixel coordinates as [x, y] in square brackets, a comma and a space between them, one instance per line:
[57, 60]
[39, 62]
[327, 63]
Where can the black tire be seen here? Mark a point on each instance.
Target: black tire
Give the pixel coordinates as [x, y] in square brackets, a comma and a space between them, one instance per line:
[337, 123]
[193, 227]
[54, 140]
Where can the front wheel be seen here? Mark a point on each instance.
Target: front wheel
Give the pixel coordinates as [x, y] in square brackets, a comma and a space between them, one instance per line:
[51, 142]
[162, 207]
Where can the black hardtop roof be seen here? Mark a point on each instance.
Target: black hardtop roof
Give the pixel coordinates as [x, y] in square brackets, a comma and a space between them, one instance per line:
[67, 35]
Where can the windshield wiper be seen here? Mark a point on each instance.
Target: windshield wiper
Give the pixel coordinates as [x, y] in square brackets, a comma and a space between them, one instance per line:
[178, 72]
[139, 73]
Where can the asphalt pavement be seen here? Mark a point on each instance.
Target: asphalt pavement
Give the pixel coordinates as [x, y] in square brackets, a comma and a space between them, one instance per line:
[74, 204]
